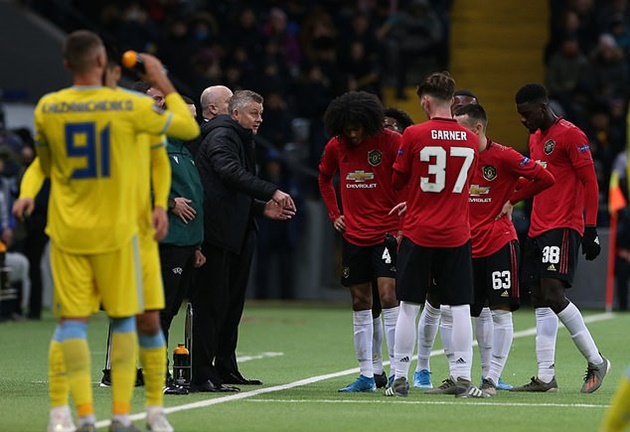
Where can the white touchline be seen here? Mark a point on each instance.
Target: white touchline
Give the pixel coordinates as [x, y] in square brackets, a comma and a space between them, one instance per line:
[306, 381]
[397, 401]
[259, 356]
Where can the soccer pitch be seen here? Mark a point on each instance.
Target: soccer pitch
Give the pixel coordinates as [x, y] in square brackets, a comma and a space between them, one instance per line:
[304, 353]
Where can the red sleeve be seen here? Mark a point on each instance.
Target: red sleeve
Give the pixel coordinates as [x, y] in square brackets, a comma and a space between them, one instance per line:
[402, 164]
[587, 176]
[400, 192]
[534, 178]
[399, 181]
[578, 148]
[327, 169]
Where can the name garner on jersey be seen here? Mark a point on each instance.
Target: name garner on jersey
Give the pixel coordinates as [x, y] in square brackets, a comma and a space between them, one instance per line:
[449, 135]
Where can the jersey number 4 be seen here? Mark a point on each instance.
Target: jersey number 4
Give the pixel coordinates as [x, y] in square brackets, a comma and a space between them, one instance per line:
[82, 141]
[437, 169]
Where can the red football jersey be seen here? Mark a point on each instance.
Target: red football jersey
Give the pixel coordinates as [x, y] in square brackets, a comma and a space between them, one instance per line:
[367, 195]
[437, 159]
[493, 182]
[561, 149]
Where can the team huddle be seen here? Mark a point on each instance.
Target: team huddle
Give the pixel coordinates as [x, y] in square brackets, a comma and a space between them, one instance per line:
[446, 192]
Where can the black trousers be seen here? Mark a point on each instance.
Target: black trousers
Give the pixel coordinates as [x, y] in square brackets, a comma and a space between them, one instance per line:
[177, 275]
[34, 245]
[218, 302]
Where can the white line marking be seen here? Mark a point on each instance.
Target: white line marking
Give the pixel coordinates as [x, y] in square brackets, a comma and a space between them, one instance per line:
[259, 356]
[306, 381]
[443, 402]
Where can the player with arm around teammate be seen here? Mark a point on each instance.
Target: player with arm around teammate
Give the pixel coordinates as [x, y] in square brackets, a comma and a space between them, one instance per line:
[495, 248]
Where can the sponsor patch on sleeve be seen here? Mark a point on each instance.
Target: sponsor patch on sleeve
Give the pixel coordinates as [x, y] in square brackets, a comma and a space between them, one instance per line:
[584, 148]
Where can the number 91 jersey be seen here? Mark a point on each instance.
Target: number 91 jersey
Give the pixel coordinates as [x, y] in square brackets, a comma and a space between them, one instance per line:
[438, 158]
[88, 138]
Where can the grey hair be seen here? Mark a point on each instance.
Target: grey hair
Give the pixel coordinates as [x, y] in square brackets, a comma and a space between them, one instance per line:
[242, 98]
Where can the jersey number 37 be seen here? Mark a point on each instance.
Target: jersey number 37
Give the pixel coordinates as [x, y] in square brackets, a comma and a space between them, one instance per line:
[438, 167]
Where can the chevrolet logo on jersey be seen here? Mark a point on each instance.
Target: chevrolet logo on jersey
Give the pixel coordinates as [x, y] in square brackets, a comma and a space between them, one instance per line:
[476, 190]
[360, 176]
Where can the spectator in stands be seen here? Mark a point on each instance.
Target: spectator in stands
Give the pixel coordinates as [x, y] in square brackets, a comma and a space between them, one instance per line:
[608, 74]
[277, 125]
[177, 50]
[362, 69]
[283, 33]
[419, 33]
[566, 72]
[136, 31]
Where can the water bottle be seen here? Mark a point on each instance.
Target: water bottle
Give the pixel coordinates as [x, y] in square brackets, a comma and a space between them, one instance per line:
[181, 365]
[131, 60]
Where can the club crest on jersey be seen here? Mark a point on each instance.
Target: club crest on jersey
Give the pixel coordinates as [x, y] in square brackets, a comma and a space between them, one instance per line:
[375, 157]
[345, 272]
[489, 172]
[549, 146]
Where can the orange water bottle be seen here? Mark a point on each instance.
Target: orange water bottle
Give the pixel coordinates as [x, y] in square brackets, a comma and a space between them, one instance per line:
[181, 365]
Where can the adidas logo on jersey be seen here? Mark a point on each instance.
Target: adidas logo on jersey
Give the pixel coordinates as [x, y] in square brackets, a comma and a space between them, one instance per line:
[551, 267]
[405, 359]
[505, 294]
[460, 361]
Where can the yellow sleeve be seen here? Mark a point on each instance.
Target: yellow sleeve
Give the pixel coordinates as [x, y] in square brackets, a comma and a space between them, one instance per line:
[176, 121]
[32, 180]
[183, 122]
[41, 142]
[160, 175]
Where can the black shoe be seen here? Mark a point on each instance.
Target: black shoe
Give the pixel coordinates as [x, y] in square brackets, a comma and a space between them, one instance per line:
[380, 380]
[210, 387]
[237, 378]
[172, 388]
[106, 381]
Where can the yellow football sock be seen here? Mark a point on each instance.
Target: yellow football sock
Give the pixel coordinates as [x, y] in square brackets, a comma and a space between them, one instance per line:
[618, 415]
[76, 357]
[154, 368]
[58, 387]
[123, 358]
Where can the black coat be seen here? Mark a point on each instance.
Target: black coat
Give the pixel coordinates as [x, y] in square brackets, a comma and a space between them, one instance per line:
[233, 194]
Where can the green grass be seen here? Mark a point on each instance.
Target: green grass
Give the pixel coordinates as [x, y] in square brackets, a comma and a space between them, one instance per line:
[316, 341]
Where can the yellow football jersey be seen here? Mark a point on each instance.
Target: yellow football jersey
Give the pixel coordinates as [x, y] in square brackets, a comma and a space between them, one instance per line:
[87, 140]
